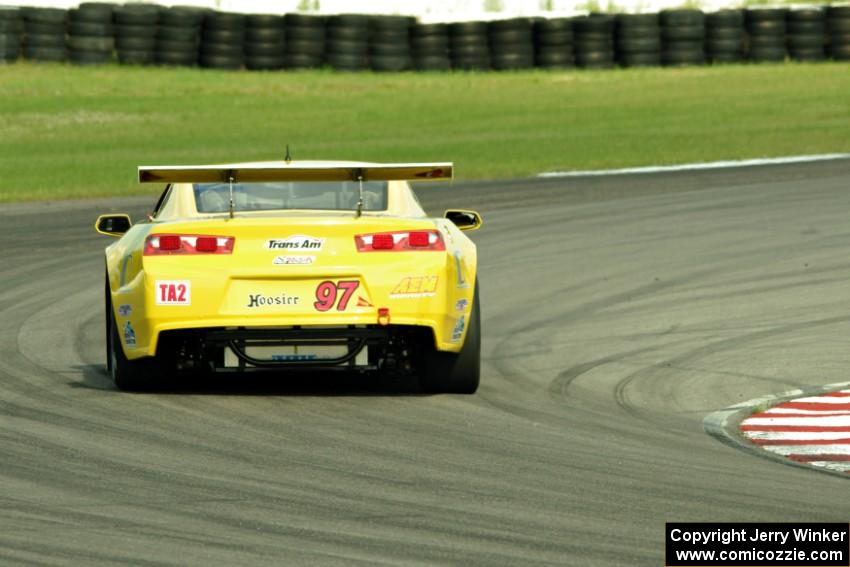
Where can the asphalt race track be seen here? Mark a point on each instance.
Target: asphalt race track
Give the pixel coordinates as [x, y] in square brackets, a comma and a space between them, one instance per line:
[618, 312]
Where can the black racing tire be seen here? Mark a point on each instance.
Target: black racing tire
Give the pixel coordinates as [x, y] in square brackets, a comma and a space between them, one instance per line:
[511, 61]
[463, 41]
[137, 56]
[640, 21]
[389, 49]
[683, 33]
[640, 59]
[765, 15]
[304, 47]
[467, 51]
[840, 52]
[766, 54]
[758, 41]
[430, 43]
[553, 25]
[135, 31]
[595, 59]
[177, 58]
[358, 48]
[265, 49]
[724, 45]
[223, 36]
[89, 57]
[227, 21]
[725, 19]
[265, 35]
[639, 44]
[808, 54]
[98, 14]
[295, 60]
[312, 34]
[513, 24]
[592, 45]
[39, 28]
[172, 45]
[11, 26]
[680, 57]
[391, 63]
[460, 29]
[38, 53]
[681, 18]
[264, 21]
[137, 15]
[555, 58]
[446, 372]
[182, 17]
[471, 63]
[304, 21]
[226, 50]
[91, 29]
[348, 61]
[638, 32]
[766, 27]
[808, 41]
[511, 37]
[85, 43]
[127, 375]
[49, 16]
[348, 21]
[429, 30]
[724, 34]
[555, 38]
[594, 23]
[217, 61]
[391, 23]
[130, 43]
[838, 11]
[178, 33]
[390, 36]
[45, 41]
[814, 14]
[838, 26]
[807, 28]
[264, 62]
[340, 33]
[432, 63]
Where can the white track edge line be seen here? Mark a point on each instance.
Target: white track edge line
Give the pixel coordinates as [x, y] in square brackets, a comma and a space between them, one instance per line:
[696, 166]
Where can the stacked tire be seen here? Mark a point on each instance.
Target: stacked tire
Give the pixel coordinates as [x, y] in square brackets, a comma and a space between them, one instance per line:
[807, 33]
[11, 32]
[305, 41]
[429, 44]
[469, 45]
[511, 44]
[347, 42]
[389, 48]
[553, 42]
[44, 34]
[724, 36]
[594, 41]
[638, 40]
[178, 36]
[135, 33]
[91, 36]
[222, 41]
[766, 34]
[838, 27]
[265, 42]
[683, 37]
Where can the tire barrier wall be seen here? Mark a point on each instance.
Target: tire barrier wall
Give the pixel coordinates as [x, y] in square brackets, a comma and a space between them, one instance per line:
[146, 34]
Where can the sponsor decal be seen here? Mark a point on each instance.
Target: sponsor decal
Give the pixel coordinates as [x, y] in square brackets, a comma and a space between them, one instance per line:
[173, 292]
[298, 242]
[293, 357]
[363, 302]
[461, 305]
[129, 334]
[415, 286]
[125, 310]
[331, 294]
[457, 333]
[289, 260]
[260, 300]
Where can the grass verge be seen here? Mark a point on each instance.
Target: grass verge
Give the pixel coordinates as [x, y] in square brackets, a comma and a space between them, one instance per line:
[70, 132]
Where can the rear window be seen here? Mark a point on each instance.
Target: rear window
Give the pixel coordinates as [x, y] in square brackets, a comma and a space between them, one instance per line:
[324, 195]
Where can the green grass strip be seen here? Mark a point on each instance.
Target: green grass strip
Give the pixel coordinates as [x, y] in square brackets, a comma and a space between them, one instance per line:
[71, 132]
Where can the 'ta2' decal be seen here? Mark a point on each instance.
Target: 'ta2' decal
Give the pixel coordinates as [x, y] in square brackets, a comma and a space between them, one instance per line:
[173, 292]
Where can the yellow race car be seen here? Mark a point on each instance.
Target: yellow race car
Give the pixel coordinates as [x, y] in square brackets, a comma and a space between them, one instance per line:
[282, 266]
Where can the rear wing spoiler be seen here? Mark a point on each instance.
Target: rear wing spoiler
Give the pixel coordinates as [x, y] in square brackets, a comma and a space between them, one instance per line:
[295, 171]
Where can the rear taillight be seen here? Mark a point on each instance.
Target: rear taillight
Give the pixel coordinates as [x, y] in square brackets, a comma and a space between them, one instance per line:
[165, 244]
[400, 241]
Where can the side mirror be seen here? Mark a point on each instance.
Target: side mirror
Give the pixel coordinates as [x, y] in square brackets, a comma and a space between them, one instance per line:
[113, 225]
[465, 220]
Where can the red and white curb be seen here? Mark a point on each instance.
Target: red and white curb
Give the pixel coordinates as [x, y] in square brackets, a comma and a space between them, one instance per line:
[809, 429]
[814, 430]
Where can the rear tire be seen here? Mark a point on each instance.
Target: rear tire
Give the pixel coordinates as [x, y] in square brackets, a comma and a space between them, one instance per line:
[128, 375]
[457, 373]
